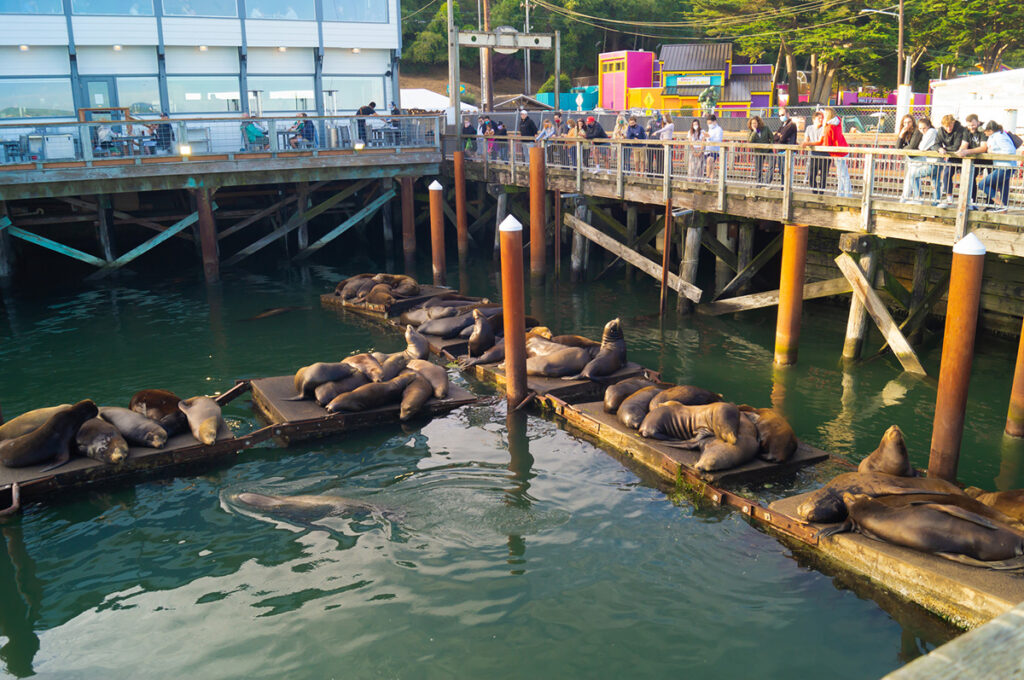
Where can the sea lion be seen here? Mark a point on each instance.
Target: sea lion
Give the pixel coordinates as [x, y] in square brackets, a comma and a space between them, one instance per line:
[308, 378]
[349, 288]
[421, 315]
[29, 421]
[1010, 503]
[366, 365]
[775, 435]
[719, 455]
[687, 394]
[890, 457]
[633, 409]
[101, 441]
[538, 346]
[672, 420]
[401, 285]
[615, 394]
[491, 356]
[373, 395]
[942, 529]
[380, 294]
[826, 504]
[561, 363]
[417, 393]
[50, 440]
[965, 502]
[416, 346]
[611, 356]
[275, 311]
[392, 366]
[204, 418]
[154, 404]
[448, 327]
[575, 341]
[136, 428]
[305, 506]
[457, 299]
[434, 374]
[328, 391]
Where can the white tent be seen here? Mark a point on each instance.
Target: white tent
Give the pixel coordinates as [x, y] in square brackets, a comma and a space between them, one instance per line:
[993, 96]
[425, 100]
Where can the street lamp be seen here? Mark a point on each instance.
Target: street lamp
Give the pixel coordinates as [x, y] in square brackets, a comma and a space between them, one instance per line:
[899, 46]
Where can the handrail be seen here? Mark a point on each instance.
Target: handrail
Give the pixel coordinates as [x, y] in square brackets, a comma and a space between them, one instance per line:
[30, 123]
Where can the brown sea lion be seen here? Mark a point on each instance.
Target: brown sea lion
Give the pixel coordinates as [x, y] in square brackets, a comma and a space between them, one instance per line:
[965, 502]
[634, 408]
[137, 429]
[826, 504]
[434, 374]
[941, 529]
[392, 366]
[456, 299]
[559, 364]
[719, 455]
[373, 395]
[672, 420]
[615, 394]
[50, 440]
[417, 393]
[308, 378]
[611, 356]
[775, 436]
[1010, 503]
[349, 288]
[687, 394]
[538, 346]
[154, 404]
[418, 317]
[29, 421]
[890, 457]
[204, 418]
[400, 284]
[366, 365]
[575, 341]
[496, 354]
[343, 284]
[448, 327]
[326, 393]
[99, 440]
[482, 337]
[379, 294]
[416, 346]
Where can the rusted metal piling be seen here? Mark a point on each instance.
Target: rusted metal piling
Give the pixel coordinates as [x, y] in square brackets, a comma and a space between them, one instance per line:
[1015, 414]
[513, 309]
[437, 231]
[408, 226]
[791, 293]
[538, 241]
[957, 356]
[461, 222]
[208, 236]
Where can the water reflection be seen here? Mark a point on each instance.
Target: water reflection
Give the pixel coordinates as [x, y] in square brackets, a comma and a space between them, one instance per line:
[520, 464]
[1011, 464]
[21, 593]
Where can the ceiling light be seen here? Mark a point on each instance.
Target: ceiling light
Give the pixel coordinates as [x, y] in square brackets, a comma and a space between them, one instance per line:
[355, 50]
[282, 49]
[203, 48]
[117, 48]
[23, 48]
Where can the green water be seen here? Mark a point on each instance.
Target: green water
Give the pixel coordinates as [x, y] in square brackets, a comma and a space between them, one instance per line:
[522, 552]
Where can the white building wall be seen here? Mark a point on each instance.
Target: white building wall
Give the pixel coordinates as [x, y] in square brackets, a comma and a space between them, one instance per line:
[269, 60]
[344, 61]
[18, 29]
[339, 34]
[38, 61]
[270, 33]
[185, 60]
[189, 31]
[96, 60]
[993, 96]
[114, 30]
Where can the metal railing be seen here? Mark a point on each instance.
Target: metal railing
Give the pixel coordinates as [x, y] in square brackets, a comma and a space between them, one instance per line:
[202, 137]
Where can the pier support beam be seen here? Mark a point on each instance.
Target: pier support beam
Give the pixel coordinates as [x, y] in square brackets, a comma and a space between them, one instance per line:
[408, 226]
[1015, 414]
[957, 356]
[558, 232]
[689, 264]
[388, 224]
[578, 256]
[791, 293]
[513, 310]
[104, 227]
[744, 250]
[302, 235]
[461, 220]
[665, 250]
[6, 254]
[723, 274]
[207, 236]
[538, 223]
[631, 217]
[857, 323]
[437, 232]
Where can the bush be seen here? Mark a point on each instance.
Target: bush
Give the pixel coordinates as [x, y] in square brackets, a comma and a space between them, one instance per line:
[549, 84]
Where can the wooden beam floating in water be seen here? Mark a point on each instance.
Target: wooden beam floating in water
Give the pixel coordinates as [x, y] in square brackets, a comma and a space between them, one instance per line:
[770, 298]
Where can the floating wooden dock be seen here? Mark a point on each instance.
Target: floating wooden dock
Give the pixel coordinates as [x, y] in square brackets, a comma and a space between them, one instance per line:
[384, 312]
[294, 421]
[560, 388]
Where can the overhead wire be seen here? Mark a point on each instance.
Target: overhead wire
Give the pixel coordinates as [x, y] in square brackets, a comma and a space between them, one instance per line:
[421, 9]
[812, 5]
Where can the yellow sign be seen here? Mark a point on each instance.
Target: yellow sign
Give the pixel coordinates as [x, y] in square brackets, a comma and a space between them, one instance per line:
[648, 100]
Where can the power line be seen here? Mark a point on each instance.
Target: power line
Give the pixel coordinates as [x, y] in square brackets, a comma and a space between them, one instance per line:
[426, 6]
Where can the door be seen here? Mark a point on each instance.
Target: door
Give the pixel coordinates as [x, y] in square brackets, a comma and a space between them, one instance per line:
[98, 92]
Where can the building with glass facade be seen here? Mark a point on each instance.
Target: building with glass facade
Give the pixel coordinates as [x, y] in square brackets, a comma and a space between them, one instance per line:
[197, 57]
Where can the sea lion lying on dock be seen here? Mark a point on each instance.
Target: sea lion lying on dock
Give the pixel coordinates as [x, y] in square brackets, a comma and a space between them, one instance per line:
[366, 364]
[416, 346]
[418, 317]
[400, 284]
[611, 356]
[380, 294]
[1010, 503]
[687, 394]
[690, 424]
[308, 378]
[482, 337]
[826, 504]
[448, 327]
[326, 393]
[136, 428]
[434, 374]
[354, 286]
[890, 457]
[50, 440]
[161, 406]
[204, 418]
[634, 408]
[99, 440]
[615, 394]
[568, 361]
[775, 436]
[373, 395]
[392, 366]
[29, 421]
[417, 393]
[717, 454]
[941, 529]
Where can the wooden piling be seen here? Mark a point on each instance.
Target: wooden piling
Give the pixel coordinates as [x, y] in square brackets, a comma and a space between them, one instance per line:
[691, 260]
[744, 251]
[558, 232]
[208, 235]
[513, 309]
[919, 284]
[857, 323]
[631, 217]
[461, 220]
[578, 255]
[500, 213]
[437, 231]
[957, 356]
[538, 241]
[388, 226]
[791, 293]
[723, 274]
[104, 227]
[666, 249]
[301, 205]
[408, 226]
[1015, 413]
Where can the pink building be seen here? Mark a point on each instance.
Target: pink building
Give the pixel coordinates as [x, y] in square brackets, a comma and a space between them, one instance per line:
[620, 71]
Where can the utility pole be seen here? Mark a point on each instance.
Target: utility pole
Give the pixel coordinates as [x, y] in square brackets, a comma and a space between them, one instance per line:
[454, 80]
[486, 95]
[900, 57]
[526, 52]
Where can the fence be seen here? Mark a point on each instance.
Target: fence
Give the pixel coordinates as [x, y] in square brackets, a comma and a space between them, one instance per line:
[196, 137]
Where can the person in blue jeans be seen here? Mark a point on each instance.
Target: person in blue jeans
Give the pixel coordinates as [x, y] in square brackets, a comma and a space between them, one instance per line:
[999, 179]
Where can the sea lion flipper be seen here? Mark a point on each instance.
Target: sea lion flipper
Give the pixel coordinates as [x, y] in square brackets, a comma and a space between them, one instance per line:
[297, 397]
[841, 528]
[692, 443]
[966, 515]
[59, 461]
[1014, 564]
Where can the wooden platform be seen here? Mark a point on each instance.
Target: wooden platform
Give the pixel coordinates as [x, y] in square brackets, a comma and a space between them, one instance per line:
[966, 596]
[298, 420]
[567, 390]
[666, 460]
[384, 312]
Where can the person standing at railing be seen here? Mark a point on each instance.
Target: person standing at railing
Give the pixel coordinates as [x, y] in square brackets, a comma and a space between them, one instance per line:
[759, 134]
[786, 134]
[975, 142]
[635, 131]
[547, 131]
[833, 136]
[820, 163]
[907, 135]
[469, 132]
[950, 137]
[999, 178]
[368, 110]
[561, 129]
[593, 130]
[711, 153]
[527, 130]
[695, 167]
[501, 132]
[918, 167]
[653, 125]
[489, 134]
[163, 133]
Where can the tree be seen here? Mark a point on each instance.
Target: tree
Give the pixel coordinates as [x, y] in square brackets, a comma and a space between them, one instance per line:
[968, 34]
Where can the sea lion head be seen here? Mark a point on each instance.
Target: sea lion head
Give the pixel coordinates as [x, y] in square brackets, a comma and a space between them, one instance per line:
[477, 315]
[118, 451]
[208, 430]
[256, 500]
[612, 332]
[417, 348]
[823, 505]
[541, 331]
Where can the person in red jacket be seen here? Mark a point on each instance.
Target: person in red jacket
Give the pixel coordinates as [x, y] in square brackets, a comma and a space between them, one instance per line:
[833, 136]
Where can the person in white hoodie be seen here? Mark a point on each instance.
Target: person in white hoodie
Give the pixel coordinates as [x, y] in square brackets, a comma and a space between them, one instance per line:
[921, 166]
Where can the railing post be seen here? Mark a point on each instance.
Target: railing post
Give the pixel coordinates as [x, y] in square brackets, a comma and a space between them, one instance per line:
[511, 159]
[85, 139]
[722, 169]
[787, 186]
[963, 203]
[666, 176]
[272, 133]
[579, 166]
[182, 134]
[619, 184]
[437, 132]
[487, 157]
[865, 199]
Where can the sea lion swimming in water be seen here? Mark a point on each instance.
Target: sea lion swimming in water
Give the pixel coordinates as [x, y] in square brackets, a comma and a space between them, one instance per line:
[775, 436]
[826, 504]
[434, 374]
[204, 418]
[687, 394]
[611, 356]
[99, 440]
[672, 420]
[50, 440]
[890, 457]
[326, 393]
[305, 506]
[615, 394]
[29, 421]
[416, 346]
[633, 409]
[308, 378]
[136, 428]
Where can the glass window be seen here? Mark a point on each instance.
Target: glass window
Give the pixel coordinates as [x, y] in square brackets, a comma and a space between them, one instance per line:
[200, 8]
[280, 9]
[282, 93]
[351, 92]
[31, 7]
[36, 97]
[140, 95]
[118, 7]
[356, 10]
[203, 94]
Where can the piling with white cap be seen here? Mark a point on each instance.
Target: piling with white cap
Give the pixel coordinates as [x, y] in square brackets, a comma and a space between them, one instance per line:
[437, 232]
[513, 309]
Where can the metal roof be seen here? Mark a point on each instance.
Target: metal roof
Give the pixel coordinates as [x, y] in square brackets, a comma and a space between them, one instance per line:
[696, 57]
